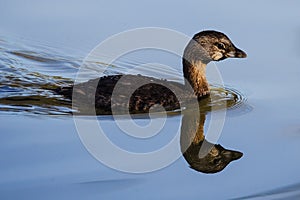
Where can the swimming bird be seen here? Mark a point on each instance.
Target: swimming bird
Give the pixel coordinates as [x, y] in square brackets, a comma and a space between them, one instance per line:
[204, 47]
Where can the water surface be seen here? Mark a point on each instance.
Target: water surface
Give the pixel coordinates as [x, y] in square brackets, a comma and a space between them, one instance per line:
[43, 45]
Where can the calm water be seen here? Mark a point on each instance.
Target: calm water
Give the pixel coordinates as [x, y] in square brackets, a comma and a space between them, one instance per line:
[42, 48]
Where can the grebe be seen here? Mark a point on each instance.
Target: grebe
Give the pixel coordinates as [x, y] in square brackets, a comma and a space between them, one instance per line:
[204, 47]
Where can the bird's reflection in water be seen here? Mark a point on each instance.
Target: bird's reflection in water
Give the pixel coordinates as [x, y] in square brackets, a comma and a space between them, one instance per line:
[212, 158]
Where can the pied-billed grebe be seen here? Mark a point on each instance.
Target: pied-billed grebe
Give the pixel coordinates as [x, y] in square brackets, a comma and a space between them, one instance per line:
[204, 47]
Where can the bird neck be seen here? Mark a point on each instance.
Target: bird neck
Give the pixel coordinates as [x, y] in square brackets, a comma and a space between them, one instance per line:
[195, 75]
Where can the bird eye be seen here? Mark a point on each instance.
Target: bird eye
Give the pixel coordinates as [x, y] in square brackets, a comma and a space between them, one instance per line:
[220, 45]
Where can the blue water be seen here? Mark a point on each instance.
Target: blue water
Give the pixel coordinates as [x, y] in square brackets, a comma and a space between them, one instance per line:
[42, 155]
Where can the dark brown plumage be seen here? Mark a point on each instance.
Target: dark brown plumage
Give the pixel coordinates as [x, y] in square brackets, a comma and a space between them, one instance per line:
[205, 46]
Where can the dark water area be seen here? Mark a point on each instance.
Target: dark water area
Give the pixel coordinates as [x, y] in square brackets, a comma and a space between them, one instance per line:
[43, 157]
